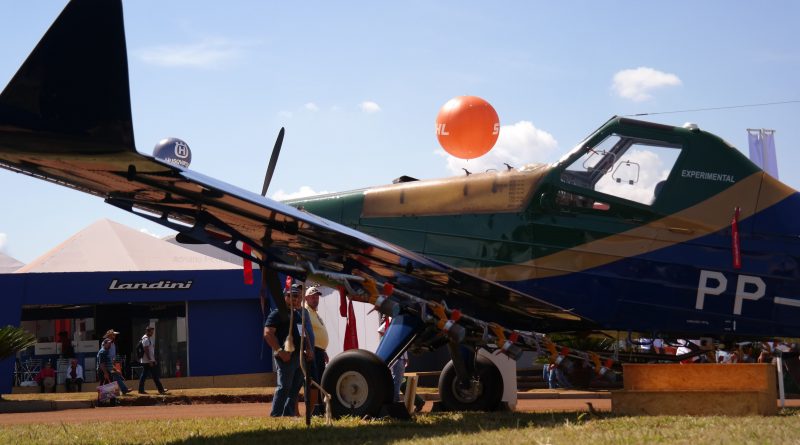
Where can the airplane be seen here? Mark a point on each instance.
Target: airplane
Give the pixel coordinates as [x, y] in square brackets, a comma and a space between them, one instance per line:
[642, 227]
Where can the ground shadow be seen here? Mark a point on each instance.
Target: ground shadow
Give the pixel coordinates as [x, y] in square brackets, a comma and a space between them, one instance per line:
[389, 431]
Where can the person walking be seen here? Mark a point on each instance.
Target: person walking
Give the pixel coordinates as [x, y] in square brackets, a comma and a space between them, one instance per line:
[106, 367]
[112, 350]
[149, 363]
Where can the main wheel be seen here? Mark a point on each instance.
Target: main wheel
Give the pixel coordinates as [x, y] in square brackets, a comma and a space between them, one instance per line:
[485, 396]
[359, 383]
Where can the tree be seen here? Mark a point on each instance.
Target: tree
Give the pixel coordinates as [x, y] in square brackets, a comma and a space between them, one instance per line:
[12, 340]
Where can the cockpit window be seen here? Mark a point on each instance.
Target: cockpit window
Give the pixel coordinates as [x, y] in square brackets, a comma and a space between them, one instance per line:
[628, 168]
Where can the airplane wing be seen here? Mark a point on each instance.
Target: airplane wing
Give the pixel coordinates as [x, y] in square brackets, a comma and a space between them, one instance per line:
[65, 117]
[211, 211]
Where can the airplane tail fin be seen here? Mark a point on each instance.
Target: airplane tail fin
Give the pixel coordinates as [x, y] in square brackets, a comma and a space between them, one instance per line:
[72, 92]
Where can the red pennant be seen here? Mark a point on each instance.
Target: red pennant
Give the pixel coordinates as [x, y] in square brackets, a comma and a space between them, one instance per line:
[342, 302]
[288, 282]
[737, 255]
[351, 331]
[248, 265]
[262, 293]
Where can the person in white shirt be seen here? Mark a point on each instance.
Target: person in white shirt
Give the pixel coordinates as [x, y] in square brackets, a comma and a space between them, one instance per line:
[320, 345]
[149, 363]
[74, 376]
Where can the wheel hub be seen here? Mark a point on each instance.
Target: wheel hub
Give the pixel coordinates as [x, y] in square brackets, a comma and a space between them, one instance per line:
[352, 389]
[467, 393]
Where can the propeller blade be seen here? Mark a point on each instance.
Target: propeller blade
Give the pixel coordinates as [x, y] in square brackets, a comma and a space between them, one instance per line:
[273, 160]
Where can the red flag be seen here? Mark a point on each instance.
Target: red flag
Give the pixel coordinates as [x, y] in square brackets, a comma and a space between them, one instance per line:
[350, 332]
[737, 255]
[248, 265]
[342, 302]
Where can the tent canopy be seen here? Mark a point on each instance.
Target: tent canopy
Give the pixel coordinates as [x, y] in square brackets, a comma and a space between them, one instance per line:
[9, 264]
[107, 246]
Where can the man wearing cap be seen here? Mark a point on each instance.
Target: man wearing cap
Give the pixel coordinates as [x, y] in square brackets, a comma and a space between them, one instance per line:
[277, 329]
[112, 335]
[148, 361]
[320, 344]
[105, 366]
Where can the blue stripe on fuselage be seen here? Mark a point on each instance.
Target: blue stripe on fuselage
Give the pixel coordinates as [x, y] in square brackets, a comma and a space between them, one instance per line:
[658, 291]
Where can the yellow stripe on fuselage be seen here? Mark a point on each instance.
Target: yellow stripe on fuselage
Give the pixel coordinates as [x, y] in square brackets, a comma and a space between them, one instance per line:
[752, 194]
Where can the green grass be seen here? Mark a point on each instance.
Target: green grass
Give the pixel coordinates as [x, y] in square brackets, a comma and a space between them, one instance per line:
[450, 428]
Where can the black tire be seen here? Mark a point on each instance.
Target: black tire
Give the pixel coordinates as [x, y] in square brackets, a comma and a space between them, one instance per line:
[486, 398]
[359, 383]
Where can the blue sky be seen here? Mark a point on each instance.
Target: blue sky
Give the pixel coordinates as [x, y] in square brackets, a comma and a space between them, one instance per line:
[358, 85]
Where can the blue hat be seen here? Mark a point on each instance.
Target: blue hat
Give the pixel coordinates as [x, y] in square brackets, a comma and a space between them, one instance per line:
[293, 290]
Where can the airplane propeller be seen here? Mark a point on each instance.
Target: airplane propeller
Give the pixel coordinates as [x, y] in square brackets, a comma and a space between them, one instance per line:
[273, 160]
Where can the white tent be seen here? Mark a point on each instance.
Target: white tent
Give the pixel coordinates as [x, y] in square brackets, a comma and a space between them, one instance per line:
[367, 322]
[9, 264]
[107, 246]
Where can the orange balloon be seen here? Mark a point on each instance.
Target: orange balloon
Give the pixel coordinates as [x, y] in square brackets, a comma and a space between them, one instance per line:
[467, 127]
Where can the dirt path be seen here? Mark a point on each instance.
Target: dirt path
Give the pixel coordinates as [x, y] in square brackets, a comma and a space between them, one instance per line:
[134, 413]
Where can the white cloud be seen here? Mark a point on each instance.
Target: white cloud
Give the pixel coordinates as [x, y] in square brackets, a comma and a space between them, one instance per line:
[637, 84]
[209, 53]
[311, 106]
[3, 242]
[305, 191]
[369, 107]
[518, 144]
[648, 168]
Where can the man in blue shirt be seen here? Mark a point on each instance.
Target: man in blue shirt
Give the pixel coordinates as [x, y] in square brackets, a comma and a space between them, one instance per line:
[106, 367]
[276, 330]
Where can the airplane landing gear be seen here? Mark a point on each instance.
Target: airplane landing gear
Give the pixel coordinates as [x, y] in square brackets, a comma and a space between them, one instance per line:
[359, 383]
[481, 393]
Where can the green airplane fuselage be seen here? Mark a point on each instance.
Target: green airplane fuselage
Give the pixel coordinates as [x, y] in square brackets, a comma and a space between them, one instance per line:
[636, 209]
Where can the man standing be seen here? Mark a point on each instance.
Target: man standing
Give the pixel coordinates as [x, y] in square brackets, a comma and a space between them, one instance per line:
[74, 378]
[112, 350]
[106, 367]
[148, 361]
[277, 329]
[320, 344]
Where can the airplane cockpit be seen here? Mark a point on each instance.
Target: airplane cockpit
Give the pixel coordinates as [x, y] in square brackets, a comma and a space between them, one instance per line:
[626, 167]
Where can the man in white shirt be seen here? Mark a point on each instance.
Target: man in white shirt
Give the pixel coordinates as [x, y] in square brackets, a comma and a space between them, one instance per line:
[74, 377]
[320, 345]
[148, 361]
